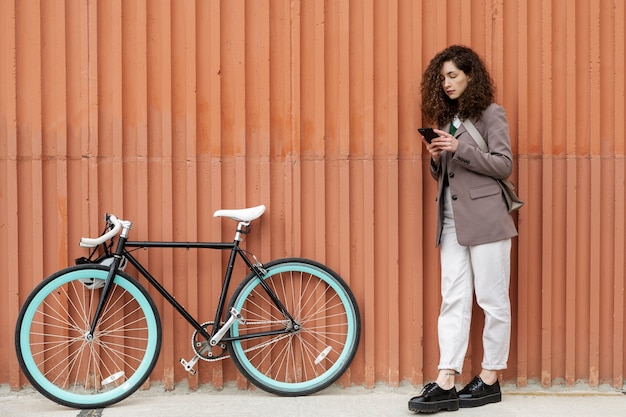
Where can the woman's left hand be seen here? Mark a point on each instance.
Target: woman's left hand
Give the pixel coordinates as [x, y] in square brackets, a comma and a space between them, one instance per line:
[445, 141]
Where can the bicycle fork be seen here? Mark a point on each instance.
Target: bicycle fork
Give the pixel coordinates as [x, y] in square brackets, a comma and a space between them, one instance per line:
[108, 284]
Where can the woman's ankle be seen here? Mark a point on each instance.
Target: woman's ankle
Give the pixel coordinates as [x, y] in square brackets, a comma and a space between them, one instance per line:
[445, 378]
[489, 377]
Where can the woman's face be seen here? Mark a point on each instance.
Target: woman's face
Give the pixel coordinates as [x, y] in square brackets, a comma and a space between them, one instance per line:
[453, 80]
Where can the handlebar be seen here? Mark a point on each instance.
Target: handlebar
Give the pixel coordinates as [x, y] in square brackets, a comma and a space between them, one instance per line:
[87, 242]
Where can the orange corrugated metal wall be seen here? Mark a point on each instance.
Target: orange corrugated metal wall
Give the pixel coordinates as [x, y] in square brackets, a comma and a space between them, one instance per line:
[164, 111]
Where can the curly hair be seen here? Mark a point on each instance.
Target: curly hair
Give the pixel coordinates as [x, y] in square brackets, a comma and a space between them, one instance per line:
[437, 107]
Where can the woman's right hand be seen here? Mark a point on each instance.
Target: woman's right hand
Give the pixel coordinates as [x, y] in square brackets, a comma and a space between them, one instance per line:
[435, 152]
[433, 149]
[445, 142]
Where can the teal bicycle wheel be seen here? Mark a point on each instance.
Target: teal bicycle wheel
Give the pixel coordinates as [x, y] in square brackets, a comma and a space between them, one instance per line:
[301, 357]
[68, 367]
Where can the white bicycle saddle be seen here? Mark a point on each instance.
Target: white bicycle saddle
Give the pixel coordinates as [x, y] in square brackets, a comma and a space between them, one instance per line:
[242, 215]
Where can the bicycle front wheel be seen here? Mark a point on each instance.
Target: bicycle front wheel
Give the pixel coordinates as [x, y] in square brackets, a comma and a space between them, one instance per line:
[302, 357]
[66, 365]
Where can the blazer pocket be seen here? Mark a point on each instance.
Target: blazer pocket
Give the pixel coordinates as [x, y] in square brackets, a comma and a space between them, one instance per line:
[484, 191]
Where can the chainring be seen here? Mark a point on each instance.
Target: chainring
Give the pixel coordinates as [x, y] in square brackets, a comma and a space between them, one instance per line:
[204, 350]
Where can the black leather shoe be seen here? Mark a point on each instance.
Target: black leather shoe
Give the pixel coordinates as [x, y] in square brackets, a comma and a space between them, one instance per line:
[433, 398]
[477, 393]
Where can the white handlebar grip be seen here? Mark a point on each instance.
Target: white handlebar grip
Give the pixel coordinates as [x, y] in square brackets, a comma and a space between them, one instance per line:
[87, 242]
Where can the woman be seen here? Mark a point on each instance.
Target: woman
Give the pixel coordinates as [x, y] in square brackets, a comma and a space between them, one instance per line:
[474, 227]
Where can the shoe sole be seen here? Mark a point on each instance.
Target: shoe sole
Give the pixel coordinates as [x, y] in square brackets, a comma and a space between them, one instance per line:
[480, 401]
[434, 407]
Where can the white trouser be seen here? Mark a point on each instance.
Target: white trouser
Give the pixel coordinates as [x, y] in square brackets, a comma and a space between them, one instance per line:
[465, 270]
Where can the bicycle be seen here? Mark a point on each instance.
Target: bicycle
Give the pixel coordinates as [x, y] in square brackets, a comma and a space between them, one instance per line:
[89, 336]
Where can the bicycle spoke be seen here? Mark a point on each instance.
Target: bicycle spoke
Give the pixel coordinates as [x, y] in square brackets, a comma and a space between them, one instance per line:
[326, 328]
[77, 368]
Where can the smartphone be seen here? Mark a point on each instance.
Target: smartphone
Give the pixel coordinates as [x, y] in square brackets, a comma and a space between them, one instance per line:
[428, 133]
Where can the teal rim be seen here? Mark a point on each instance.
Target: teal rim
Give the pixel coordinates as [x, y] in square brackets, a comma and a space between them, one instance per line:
[350, 338]
[86, 399]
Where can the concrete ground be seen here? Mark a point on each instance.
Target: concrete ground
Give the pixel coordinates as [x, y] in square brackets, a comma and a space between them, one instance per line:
[334, 401]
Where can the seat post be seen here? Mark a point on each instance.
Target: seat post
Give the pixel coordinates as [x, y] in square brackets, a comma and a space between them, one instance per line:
[242, 228]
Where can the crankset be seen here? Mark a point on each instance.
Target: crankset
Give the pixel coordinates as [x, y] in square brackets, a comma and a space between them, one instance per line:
[203, 350]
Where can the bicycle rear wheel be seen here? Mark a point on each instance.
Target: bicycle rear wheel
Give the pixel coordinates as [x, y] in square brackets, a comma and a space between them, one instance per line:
[58, 358]
[316, 350]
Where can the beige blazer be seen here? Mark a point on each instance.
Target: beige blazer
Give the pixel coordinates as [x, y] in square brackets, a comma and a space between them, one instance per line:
[480, 211]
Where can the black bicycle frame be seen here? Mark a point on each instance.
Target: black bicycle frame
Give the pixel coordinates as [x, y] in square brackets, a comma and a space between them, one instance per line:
[234, 249]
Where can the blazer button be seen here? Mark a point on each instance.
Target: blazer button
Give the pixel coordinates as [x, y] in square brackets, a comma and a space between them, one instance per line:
[454, 197]
[451, 175]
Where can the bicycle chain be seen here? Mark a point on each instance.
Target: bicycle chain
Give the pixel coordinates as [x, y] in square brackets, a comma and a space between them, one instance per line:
[225, 356]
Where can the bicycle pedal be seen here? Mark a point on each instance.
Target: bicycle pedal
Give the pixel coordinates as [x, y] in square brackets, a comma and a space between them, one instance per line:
[188, 365]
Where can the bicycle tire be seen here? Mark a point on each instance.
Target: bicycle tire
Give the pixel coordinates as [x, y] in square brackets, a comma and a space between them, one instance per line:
[53, 350]
[305, 360]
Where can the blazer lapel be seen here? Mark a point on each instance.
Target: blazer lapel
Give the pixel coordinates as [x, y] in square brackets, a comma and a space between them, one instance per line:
[459, 130]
